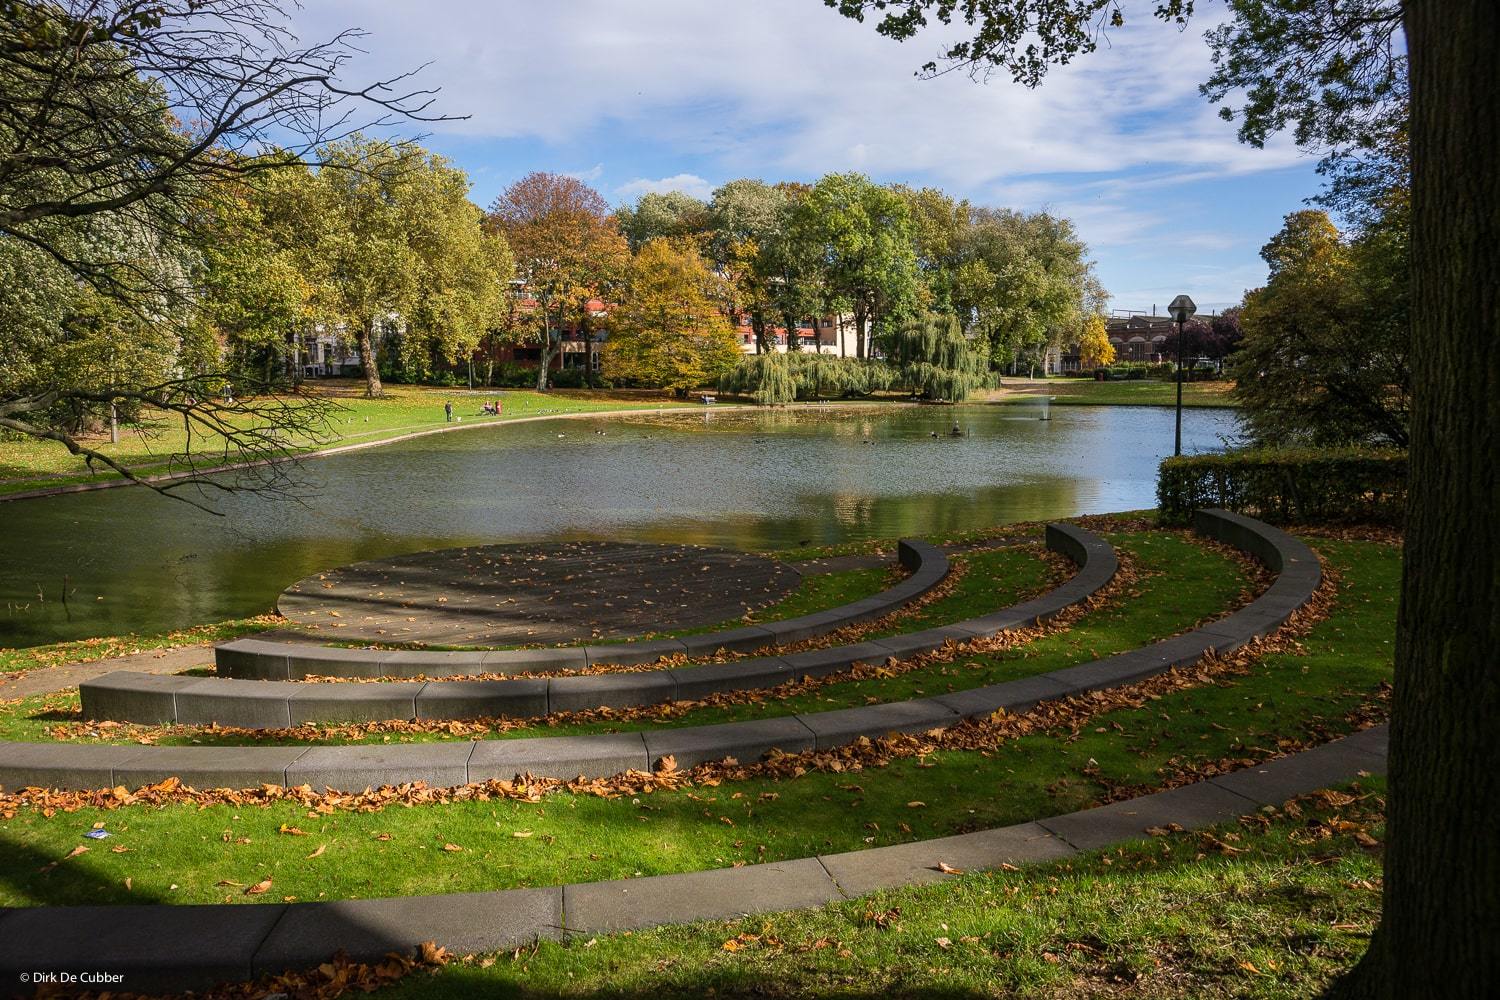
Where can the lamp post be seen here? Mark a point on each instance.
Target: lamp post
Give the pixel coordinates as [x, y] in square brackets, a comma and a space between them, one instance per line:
[1181, 310]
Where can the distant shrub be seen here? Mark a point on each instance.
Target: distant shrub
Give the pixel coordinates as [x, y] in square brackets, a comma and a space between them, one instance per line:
[567, 378]
[1293, 486]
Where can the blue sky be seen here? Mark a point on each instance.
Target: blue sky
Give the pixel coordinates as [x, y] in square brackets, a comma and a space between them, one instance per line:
[638, 95]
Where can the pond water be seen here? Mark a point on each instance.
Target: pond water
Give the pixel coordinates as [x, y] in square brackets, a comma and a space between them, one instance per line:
[132, 561]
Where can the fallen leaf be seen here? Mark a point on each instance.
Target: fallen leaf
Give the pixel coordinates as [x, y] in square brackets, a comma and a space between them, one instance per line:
[521, 833]
[452, 848]
[948, 869]
[259, 887]
[292, 831]
[318, 852]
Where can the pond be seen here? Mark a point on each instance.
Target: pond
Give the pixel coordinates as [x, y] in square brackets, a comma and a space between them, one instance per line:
[131, 561]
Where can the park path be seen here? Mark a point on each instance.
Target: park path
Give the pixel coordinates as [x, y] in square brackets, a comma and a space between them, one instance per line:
[45, 680]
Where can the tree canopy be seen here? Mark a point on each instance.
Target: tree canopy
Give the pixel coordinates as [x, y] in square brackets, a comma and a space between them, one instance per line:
[566, 248]
[1325, 355]
[669, 332]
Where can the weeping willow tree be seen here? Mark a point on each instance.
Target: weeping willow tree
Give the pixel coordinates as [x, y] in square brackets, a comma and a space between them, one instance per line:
[772, 379]
[936, 360]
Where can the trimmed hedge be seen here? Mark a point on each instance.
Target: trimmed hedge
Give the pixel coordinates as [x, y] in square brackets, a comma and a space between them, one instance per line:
[1293, 486]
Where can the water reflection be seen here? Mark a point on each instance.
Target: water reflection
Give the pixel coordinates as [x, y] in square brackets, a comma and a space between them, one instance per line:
[132, 561]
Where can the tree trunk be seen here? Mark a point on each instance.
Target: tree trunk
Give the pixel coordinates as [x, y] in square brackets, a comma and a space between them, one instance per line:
[373, 388]
[1441, 914]
[860, 316]
[585, 329]
[758, 324]
[541, 371]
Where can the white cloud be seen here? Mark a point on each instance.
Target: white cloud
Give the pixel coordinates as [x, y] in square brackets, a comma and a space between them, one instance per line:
[686, 183]
[587, 176]
[787, 89]
[791, 85]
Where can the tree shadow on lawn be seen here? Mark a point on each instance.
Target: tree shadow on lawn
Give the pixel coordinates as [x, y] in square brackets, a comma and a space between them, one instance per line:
[58, 879]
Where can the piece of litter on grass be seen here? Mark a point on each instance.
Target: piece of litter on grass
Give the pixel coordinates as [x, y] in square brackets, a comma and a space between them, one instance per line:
[97, 834]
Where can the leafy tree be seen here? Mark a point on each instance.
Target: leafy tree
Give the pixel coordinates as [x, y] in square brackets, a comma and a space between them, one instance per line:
[1021, 280]
[939, 226]
[119, 119]
[1094, 348]
[565, 246]
[463, 271]
[1213, 337]
[262, 280]
[368, 244]
[857, 237]
[1311, 368]
[774, 379]
[937, 360]
[672, 214]
[669, 332]
[746, 244]
[1329, 71]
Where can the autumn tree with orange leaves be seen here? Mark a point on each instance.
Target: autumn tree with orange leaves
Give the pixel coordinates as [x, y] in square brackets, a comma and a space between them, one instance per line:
[567, 250]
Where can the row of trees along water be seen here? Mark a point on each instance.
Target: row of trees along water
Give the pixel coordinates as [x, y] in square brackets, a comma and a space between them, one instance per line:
[379, 244]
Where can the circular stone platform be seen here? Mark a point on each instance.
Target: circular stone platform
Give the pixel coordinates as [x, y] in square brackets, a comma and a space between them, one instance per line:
[509, 595]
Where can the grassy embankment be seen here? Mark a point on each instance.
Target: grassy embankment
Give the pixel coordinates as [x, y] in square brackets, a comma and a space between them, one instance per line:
[27, 464]
[1087, 392]
[187, 854]
[1263, 910]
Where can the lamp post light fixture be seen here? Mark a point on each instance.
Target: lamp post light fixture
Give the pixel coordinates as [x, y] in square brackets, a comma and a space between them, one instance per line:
[1181, 310]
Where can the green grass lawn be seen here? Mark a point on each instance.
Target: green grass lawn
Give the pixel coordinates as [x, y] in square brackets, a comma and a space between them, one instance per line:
[182, 853]
[1161, 919]
[27, 464]
[107, 647]
[1087, 392]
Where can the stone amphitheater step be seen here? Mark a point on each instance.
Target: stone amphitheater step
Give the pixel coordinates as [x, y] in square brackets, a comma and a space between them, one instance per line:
[162, 948]
[155, 700]
[357, 767]
[259, 659]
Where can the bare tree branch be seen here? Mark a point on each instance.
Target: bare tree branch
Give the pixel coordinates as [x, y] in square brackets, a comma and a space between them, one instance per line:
[251, 436]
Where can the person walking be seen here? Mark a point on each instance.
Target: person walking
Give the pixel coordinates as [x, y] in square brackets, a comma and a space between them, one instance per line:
[448, 411]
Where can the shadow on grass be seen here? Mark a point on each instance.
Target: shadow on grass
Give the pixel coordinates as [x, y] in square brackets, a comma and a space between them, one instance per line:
[57, 880]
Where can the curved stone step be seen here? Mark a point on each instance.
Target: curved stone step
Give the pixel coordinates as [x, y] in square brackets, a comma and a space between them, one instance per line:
[357, 767]
[259, 659]
[161, 948]
[130, 696]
